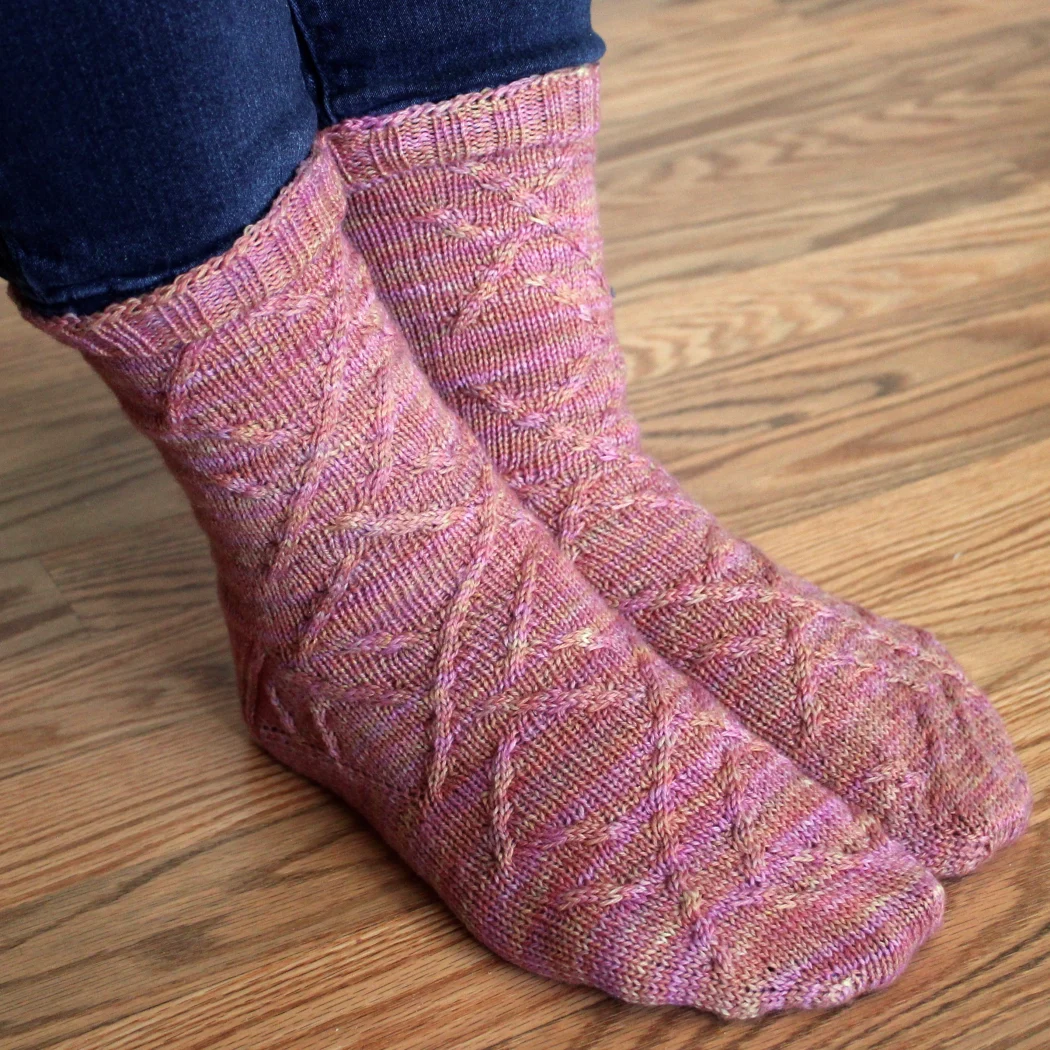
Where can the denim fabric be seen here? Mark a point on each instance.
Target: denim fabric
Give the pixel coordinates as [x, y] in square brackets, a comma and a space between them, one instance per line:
[367, 57]
[139, 137]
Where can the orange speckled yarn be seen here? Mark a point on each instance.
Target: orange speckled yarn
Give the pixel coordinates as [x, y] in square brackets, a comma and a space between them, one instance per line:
[408, 635]
[478, 218]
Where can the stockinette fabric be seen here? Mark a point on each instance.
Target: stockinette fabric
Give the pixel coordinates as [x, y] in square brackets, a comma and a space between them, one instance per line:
[478, 218]
[407, 635]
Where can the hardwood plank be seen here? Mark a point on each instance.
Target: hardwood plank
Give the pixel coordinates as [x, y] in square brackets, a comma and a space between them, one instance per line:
[113, 944]
[819, 147]
[149, 574]
[72, 696]
[909, 563]
[194, 779]
[965, 552]
[32, 609]
[911, 280]
[73, 467]
[151, 647]
[771, 479]
[355, 989]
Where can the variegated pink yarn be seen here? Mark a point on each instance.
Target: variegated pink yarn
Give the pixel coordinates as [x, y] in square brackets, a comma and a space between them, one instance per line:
[478, 218]
[408, 635]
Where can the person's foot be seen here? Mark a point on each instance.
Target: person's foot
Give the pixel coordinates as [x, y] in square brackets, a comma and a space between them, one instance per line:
[408, 635]
[478, 218]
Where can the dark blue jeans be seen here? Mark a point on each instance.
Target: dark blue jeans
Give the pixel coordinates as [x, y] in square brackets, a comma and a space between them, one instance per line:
[139, 137]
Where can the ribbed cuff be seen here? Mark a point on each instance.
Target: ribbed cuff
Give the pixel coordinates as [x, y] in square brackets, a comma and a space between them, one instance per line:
[266, 258]
[559, 106]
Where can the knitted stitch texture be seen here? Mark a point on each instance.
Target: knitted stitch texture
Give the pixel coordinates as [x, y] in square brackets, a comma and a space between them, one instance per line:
[408, 635]
[478, 218]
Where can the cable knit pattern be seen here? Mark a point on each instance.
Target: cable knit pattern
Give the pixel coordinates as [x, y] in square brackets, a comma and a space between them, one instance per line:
[478, 218]
[408, 635]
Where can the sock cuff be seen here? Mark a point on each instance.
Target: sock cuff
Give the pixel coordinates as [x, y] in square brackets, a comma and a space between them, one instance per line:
[269, 256]
[555, 107]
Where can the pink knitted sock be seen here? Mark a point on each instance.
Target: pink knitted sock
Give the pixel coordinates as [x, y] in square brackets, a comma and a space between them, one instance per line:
[406, 634]
[478, 218]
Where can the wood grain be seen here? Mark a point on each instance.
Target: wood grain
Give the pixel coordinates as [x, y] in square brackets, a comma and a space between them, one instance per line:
[828, 226]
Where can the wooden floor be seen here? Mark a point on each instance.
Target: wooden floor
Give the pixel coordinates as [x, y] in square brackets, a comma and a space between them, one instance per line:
[829, 231]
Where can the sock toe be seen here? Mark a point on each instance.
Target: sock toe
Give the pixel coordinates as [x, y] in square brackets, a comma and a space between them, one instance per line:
[963, 793]
[879, 910]
[992, 812]
[904, 906]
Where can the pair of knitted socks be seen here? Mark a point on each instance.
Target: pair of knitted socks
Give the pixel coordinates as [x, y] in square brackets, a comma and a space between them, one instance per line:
[562, 719]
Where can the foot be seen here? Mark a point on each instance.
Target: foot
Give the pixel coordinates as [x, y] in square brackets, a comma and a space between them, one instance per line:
[478, 218]
[408, 635]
